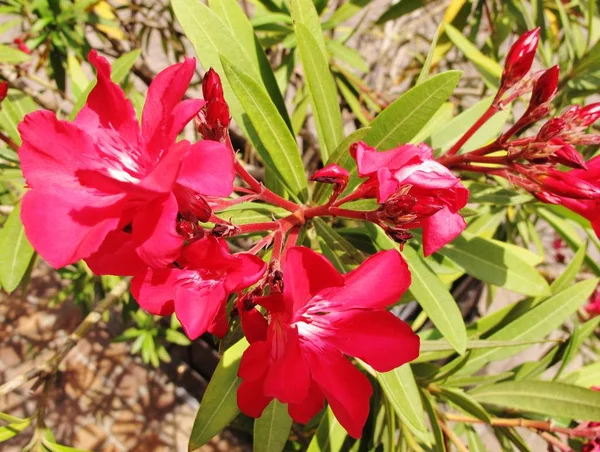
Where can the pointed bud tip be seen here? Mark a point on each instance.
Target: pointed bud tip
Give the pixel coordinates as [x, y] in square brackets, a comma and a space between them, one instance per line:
[3, 90]
[212, 89]
[331, 174]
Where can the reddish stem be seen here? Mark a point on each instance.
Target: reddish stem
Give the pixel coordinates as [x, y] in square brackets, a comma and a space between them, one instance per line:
[11, 144]
[258, 227]
[474, 128]
[263, 192]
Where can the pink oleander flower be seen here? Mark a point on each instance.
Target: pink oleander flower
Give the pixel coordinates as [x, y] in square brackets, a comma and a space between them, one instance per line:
[419, 191]
[104, 172]
[22, 46]
[297, 356]
[196, 290]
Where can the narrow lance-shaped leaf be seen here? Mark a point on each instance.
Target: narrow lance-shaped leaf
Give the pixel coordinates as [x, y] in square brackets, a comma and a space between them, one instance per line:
[219, 403]
[330, 434]
[272, 429]
[405, 117]
[15, 251]
[543, 397]
[272, 130]
[535, 323]
[323, 92]
[494, 263]
[401, 390]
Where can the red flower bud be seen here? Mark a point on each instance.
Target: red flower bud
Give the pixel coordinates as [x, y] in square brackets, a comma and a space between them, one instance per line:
[22, 46]
[399, 235]
[544, 88]
[189, 229]
[549, 130]
[3, 90]
[589, 114]
[211, 86]
[332, 174]
[567, 155]
[520, 58]
[217, 114]
[566, 185]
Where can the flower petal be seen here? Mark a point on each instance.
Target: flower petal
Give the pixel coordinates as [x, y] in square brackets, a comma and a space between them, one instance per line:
[377, 337]
[377, 283]
[154, 232]
[116, 256]
[346, 389]
[154, 290]
[250, 398]
[163, 176]
[254, 325]
[304, 411]
[440, 229]
[64, 226]
[305, 274]
[164, 93]
[208, 169]
[248, 269]
[288, 378]
[254, 361]
[107, 107]
[196, 308]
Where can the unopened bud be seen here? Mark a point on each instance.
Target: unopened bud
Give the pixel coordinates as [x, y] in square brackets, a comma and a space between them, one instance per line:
[520, 58]
[332, 174]
[217, 114]
[549, 130]
[589, 114]
[211, 86]
[567, 155]
[3, 90]
[22, 46]
[544, 88]
[567, 185]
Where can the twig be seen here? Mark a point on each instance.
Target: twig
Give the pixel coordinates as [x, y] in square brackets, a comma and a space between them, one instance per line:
[452, 436]
[555, 442]
[527, 423]
[50, 366]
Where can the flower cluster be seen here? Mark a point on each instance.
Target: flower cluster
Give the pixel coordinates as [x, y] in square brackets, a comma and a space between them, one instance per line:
[131, 199]
[535, 162]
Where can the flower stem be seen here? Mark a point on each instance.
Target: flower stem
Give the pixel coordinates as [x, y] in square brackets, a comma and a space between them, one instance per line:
[11, 144]
[474, 128]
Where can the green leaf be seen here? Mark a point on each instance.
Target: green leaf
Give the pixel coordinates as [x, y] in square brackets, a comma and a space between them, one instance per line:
[401, 390]
[535, 323]
[345, 12]
[272, 429]
[542, 397]
[346, 54]
[219, 403]
[330, 435]
[15, 251]
[494, 263]
[177, 337]
[489, 69]
[424, 74]
[568, 275]
[323, 92]
[10, 55]
[345, 255]
[465, 402]
[407, 115]
[14, 108]
[587, 376]
[304, 12]
[53, 447]
[271, 128]
[10, 430]
[122, 65]
[232, 14]
[399, 9]
[439, 444]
